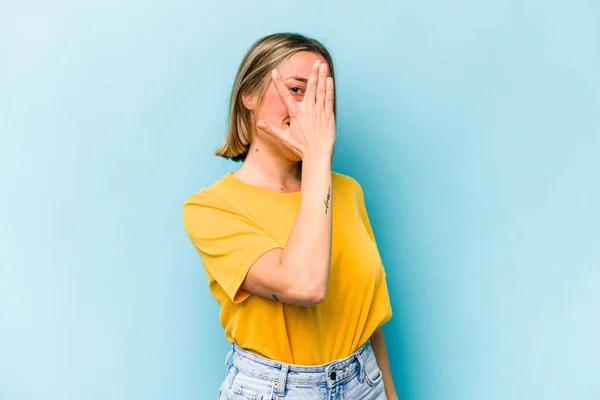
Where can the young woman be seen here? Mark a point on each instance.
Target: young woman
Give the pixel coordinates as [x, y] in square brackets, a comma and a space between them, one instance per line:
[286, 243]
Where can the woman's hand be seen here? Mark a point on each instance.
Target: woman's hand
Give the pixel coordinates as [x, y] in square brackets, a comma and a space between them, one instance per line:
[312, 122]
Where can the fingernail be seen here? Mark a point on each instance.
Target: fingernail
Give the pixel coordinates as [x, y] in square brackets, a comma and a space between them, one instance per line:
[262, 124]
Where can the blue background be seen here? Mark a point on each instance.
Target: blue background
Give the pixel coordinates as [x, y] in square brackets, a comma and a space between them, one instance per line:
[474, 128]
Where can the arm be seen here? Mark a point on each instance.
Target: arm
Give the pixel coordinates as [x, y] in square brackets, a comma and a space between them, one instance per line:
[381, 355]
[299, 273]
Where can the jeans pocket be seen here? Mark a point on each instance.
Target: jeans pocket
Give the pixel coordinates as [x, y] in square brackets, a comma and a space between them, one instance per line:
[373, 375]
[240, 392]
[245, 387]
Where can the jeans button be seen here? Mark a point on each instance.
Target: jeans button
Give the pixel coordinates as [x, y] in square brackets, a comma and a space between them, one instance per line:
[332, 375]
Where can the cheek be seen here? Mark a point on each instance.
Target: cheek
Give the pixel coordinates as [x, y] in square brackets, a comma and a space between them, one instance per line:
[273, 105]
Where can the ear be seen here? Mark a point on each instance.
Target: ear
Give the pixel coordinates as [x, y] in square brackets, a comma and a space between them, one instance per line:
[249, 100]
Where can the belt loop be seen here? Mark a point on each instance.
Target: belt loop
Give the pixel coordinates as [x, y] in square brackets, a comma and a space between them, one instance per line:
[228, 356]
[361, 362]
[282, 380]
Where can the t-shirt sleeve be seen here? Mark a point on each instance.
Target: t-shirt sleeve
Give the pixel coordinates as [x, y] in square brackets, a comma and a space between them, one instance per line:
[228, 242]
[363, 211]
[365, 217]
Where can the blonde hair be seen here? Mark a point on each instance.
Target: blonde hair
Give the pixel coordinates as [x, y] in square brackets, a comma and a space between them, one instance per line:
[253, 76]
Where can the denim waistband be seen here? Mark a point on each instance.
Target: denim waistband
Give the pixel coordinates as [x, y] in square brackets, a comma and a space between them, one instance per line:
[332, 373]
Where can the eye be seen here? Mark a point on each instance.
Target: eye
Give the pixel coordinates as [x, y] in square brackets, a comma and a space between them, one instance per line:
[297, 90]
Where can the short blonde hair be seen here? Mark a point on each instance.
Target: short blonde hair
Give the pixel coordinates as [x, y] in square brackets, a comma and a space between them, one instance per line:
[252, 76]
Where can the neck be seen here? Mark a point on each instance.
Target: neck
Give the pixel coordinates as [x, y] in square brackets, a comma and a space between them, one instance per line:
[265, 166]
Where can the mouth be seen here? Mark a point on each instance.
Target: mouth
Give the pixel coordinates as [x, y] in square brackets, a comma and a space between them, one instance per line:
[287, 122]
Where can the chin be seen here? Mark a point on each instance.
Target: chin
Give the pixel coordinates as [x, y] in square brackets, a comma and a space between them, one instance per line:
[288, 155]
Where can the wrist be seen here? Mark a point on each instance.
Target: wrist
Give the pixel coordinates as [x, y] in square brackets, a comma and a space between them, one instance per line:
[318, 154]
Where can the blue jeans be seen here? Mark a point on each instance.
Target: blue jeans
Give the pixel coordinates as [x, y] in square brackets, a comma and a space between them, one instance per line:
[254, 377]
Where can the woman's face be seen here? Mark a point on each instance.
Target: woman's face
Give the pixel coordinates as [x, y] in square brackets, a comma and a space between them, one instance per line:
[294, 72]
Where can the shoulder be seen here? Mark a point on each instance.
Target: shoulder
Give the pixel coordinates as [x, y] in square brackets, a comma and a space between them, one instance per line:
[210, 212]
[210, 202]
[344, 182]
[212, 195]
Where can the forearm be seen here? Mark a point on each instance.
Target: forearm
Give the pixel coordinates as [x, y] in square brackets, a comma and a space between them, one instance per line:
[381, 355]
[307, 253]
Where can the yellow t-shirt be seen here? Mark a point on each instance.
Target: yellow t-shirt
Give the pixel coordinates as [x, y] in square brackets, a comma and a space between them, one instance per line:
[232, 223]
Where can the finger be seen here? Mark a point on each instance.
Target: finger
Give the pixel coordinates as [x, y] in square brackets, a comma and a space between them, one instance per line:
[279, 134]
[273, 130]
[320, 102]
[329, 96]
[311, 86]
[284, 93]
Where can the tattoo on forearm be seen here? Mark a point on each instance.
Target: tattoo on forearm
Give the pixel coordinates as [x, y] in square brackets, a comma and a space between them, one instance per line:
[327, 200]
[275, 297]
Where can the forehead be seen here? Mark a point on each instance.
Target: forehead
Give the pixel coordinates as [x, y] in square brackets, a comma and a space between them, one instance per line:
[299, 64]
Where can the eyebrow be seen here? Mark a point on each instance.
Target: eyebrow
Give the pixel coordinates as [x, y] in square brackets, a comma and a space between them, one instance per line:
[297, 78]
